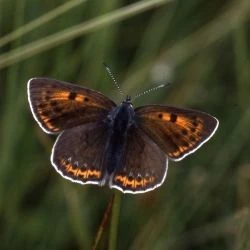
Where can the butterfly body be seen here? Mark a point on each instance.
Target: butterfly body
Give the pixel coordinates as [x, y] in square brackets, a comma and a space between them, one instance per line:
[100, 142]
[120, 119]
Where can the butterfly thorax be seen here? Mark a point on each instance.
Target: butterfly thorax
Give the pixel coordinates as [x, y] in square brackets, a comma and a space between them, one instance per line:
[122, 118]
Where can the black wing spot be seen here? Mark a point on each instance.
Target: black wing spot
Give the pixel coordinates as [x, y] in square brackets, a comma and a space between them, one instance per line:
[58, 109]
[160, 115]
[193, 130]
[47, 98]
[195, 123]
[173, 117]
[139, 178]
[177, 135]
[184, 131]
[53, 103]
[46, 113]
[192, 138]
[130, 178]
[42, 105]
[185, 144]
[72, 96]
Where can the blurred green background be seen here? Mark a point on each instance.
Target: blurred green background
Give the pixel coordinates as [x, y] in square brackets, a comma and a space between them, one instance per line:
[201, 47]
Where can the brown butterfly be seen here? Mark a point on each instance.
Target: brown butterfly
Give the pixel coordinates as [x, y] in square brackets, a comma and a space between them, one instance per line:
[101, 142]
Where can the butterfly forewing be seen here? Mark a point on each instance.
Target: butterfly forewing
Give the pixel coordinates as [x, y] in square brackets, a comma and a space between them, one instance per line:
[57, 105]
[143, 166]
[178, 132]
[78, 153]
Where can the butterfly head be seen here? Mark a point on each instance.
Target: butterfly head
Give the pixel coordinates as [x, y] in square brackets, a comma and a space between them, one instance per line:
[127, 105]
[128, 100]
[122, 116]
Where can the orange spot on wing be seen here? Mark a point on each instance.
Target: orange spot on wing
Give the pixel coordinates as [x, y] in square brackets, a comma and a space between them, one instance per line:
[80, 98]
[187, 123]
[62, 95]
[88, 173]
[46, 123]
[83, 173]
[133, 183]
[166, 117]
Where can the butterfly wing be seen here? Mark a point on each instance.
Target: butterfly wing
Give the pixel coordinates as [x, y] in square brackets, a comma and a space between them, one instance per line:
[58, 105]
[178, 132]
[143, 166]
[78, 153]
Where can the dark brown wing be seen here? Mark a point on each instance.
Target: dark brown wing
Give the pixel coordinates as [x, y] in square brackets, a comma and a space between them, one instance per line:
[144, 165]
[178, 132]
[58, 105]
[78, 153]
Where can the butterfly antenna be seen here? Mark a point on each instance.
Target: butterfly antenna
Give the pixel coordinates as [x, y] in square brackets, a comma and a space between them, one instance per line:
[150, 90]
[110, 73]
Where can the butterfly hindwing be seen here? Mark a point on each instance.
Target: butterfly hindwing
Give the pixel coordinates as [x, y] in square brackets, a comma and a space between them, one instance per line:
[178, 132]
[58, 105]
[78, 153]
[143, 165]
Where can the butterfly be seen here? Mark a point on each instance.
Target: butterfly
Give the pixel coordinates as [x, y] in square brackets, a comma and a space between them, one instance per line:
[100, 142]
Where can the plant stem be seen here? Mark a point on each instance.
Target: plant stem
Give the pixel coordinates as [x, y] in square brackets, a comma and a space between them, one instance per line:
[104, 222]
[114, 221]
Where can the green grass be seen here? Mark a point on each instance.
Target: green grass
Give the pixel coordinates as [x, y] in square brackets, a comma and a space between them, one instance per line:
[201, 47]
